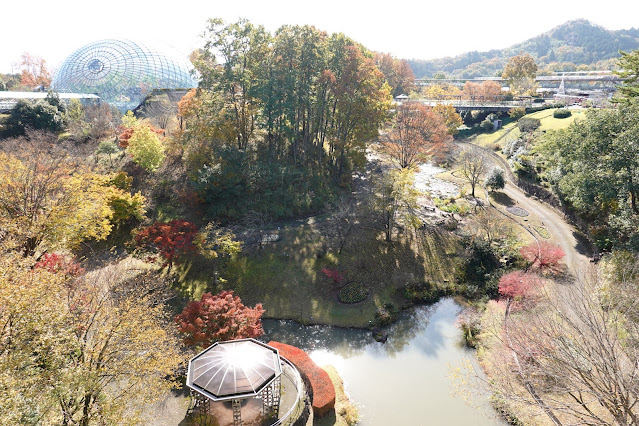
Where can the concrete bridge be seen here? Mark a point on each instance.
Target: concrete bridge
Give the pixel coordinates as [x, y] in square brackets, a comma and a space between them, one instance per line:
[580, 77]
[477, 103]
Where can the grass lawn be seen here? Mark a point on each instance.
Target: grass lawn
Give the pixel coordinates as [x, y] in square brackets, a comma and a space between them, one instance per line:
[548, 122]
[510, 131]
[499, 136]
[502, 201]
[286, 276]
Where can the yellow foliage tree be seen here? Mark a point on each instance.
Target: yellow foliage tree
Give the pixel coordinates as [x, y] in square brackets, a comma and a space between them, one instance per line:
[94, 349]
[47, 200]
[124, 204]
[395, 200]
[32, 331]
[146, 148]
[441, 91]
[451, 118]
[520, 72]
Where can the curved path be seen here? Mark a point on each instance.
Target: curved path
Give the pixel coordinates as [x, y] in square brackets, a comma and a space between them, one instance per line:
[577, 259]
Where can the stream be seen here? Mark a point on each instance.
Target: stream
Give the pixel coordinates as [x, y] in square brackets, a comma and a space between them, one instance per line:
[405, 381]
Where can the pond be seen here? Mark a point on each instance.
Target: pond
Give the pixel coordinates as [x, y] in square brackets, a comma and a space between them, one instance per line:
[405, 381]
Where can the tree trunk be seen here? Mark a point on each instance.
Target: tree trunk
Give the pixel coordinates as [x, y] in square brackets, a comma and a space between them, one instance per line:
[86, 410]
[633, 202]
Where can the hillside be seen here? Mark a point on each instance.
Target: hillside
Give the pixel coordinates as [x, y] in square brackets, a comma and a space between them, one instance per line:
[572, 46]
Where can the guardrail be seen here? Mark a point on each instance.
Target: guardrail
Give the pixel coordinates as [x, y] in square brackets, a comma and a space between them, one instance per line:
[479, 103]
[7, 105]
[296, 410]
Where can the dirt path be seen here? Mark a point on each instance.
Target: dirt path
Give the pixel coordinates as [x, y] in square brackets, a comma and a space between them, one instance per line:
[577, 259]
[563, 234]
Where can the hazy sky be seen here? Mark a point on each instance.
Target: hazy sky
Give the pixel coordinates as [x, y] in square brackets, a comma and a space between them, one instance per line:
[421, 29]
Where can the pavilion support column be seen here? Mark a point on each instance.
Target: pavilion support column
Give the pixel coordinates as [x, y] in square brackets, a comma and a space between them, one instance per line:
[267, 400]
[277, 393]
[271, 398]
[237, 412]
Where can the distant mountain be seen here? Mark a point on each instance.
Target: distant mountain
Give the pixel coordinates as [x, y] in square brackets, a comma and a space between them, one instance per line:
[575, 45]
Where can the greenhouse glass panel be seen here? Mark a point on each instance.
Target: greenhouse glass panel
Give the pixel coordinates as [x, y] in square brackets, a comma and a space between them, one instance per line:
[121, 72]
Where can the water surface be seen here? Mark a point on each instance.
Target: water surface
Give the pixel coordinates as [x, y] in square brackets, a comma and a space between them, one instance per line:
[407, 380]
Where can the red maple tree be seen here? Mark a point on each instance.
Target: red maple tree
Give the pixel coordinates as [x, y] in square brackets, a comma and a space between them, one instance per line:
[56, 263]
[543, 256]
[518, 284]
[334, 275]
[171, 239]
[219, 317]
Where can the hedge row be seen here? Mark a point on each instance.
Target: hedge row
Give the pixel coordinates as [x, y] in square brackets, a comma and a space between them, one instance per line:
[321, 384]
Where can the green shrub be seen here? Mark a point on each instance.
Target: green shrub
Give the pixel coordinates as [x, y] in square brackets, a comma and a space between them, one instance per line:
[353, 292]
[527, 124]
[561, 113]
[495, 179]
[475, 274]
[234, 183]
[424, 292]
[487, 125]
[37, 115]
[108, 148]
[517, 113]
[450, 206]
[385, 315]
[470, 324]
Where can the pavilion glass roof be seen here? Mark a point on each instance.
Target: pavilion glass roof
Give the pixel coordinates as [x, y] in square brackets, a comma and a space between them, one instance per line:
[235, 369]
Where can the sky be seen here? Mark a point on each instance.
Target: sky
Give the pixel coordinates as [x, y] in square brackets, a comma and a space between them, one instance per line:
[423, 29]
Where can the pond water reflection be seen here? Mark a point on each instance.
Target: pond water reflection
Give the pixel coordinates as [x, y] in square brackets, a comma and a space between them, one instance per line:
[405, 381]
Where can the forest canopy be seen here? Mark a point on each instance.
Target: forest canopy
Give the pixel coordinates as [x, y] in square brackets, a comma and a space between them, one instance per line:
[282, 117]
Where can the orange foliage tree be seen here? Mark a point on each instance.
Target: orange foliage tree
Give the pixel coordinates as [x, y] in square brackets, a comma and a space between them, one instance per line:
[418, 133]
[219, 317]
[397, 72]
[491, 90]
[488, 90]
[34, 71]
[471, 90]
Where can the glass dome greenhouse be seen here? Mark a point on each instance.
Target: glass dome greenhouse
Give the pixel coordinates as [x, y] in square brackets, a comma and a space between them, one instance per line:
[121, 72]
